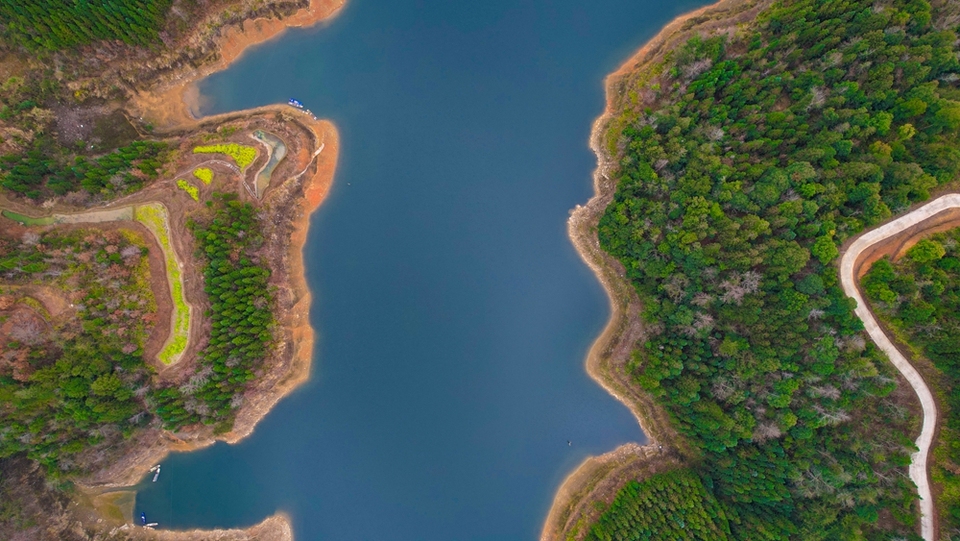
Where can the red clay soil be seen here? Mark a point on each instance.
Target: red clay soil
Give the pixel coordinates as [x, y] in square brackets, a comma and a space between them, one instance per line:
[895, 247]
[175, 105]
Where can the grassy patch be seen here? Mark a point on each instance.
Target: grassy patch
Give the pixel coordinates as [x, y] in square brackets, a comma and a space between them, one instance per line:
[154, 217]
[114, 131]
[203, 174]
[242, 154]
[27, 220]
[192, 190]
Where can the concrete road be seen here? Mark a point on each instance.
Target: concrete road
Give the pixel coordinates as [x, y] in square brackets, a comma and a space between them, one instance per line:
[918, 465]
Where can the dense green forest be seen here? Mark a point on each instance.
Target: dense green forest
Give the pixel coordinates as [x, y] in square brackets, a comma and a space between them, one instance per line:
[55, 24]
[241, 317]
[73, 383]
[744, 161]
[68, 386]
[919, 298]
[666, 506]
[46, 166]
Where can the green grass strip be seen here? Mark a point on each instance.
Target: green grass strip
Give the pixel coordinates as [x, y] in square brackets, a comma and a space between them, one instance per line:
[203, 174]
[192, 190]
[154, 217]
[242, 154]
[27, 220]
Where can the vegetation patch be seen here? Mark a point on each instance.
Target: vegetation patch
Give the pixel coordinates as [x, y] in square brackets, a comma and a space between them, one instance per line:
[203, 174]
[191, 190]
[241, 300]
[27, 220]
[919, 297]
[70, 386]
[741, 167]
[113, 130]
[243, 155]
[52, 25]
[49, 168]
[672, 505]
[154, 217]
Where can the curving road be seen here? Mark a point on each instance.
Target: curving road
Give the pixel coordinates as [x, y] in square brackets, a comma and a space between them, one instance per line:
[918, 465]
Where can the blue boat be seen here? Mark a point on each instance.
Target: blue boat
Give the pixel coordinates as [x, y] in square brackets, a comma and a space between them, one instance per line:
[143, 518]
[295, 103]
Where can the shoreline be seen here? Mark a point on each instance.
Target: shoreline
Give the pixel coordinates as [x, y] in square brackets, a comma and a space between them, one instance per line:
[174, 104]
[276, 527]
[612, 348]
[179, 116]
[170, 106]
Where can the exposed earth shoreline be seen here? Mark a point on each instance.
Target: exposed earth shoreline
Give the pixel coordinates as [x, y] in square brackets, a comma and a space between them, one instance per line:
[170, 107]
[599, 478]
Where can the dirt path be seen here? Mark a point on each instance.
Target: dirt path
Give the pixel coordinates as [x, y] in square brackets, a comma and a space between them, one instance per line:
[174, 283]
[850, 265]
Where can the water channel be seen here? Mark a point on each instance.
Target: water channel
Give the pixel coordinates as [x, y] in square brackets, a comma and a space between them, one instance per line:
[453, 313]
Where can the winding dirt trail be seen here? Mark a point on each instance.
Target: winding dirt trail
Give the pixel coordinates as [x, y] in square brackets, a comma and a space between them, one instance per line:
[128, 213]
[853, 261]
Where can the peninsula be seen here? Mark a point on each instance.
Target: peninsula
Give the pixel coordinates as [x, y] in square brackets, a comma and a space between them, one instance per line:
[164, 246]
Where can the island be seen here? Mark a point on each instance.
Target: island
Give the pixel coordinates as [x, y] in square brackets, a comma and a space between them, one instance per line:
[152, 291]
[744, 150]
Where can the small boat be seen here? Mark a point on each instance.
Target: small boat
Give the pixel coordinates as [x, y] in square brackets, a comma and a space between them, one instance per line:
[156, 474]
[151, 525]
[143, 518]
[295, 103]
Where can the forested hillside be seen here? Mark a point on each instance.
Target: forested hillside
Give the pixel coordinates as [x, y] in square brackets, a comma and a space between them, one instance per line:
[673, 505]
[744, 161]
[55, 24]
[919, 297]
[72, 373]
[242, 333]
[92, 154]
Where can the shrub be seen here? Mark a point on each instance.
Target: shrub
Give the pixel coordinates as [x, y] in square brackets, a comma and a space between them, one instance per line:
[243, 155]
[192, 190]
[203, 174]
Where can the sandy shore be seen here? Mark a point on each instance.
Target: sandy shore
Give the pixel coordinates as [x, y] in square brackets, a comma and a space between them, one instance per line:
[274, 528]
[599, 478]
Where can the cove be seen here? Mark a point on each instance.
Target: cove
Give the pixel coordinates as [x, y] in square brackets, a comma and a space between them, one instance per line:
[453, 314]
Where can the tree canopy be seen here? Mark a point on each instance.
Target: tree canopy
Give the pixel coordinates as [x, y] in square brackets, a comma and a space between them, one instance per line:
[743, 162]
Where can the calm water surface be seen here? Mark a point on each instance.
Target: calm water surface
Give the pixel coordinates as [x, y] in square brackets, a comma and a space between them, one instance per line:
[453, 313]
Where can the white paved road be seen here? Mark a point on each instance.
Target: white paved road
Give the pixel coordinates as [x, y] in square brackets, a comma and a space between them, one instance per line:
[918, 465]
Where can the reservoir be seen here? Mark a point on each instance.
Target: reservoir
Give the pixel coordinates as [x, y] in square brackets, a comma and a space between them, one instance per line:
[453, 314]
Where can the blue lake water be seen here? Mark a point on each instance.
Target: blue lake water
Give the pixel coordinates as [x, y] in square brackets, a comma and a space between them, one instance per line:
[453, 314]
